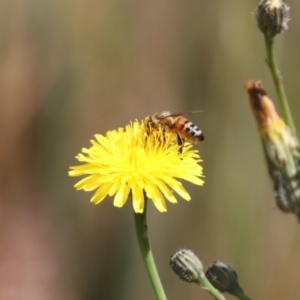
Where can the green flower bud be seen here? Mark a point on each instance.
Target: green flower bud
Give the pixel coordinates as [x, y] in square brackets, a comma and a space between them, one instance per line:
[224, 278]
[187, 265]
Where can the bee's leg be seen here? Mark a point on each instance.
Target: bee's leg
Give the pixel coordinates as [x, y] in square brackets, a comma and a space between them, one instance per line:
[164, 135]
[180, 141]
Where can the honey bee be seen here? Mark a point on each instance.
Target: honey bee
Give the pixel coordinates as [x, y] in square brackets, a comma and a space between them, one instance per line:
[184, 129]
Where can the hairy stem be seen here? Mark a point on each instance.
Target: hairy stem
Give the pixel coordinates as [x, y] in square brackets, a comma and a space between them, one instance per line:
[287, 116]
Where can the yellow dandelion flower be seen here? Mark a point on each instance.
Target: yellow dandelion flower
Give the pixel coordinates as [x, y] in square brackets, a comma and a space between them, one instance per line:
[130, 163]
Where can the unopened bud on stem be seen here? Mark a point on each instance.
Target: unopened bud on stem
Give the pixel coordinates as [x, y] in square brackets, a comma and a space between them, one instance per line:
[272, 17]
[187, 265]
[189, 268]
[281, 148]
[224, 278]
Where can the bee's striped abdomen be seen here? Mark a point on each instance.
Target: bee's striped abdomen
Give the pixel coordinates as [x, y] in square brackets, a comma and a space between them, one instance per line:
[188, 130]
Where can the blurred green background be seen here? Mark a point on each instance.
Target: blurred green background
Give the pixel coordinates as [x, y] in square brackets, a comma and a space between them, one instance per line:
[70, 69]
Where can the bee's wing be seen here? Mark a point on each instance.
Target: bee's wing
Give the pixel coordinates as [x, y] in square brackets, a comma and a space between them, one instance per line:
[179, 114]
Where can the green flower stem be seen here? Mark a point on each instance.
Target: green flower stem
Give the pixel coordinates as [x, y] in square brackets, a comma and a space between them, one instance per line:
[206, 285]
[287, 116]
[140, 221]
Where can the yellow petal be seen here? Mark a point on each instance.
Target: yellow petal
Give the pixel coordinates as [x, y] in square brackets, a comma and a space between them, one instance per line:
[122, 196]
[193, 179]
[88, 184]
[101, 193]
[114, 188]
[165, 190]
[156, 197]
[137, 198]
[180, 190]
